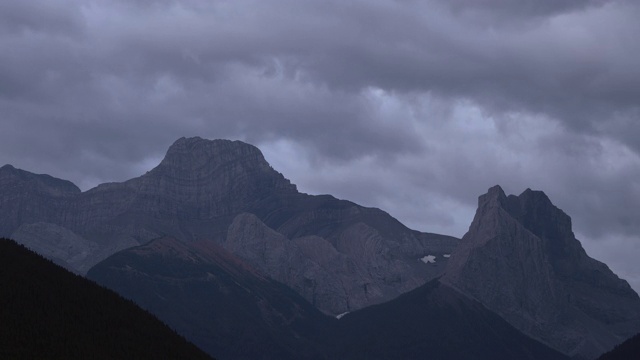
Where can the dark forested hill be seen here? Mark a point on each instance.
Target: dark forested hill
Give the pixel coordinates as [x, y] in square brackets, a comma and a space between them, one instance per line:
[47, 312]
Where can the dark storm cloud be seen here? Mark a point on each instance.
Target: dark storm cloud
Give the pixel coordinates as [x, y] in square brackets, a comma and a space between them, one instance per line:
[414, 106]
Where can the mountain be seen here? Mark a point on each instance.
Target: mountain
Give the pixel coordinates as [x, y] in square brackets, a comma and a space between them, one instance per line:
[338, 255]
[215, 300]
[48, 313]
[629, 349]
[521, 259]
[229, 309]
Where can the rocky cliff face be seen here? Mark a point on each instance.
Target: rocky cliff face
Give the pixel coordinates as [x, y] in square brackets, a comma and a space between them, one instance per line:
[338, 255]
[356, 269]
[521, 259]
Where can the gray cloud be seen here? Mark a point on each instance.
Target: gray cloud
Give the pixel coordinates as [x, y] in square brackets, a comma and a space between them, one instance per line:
[413, 106]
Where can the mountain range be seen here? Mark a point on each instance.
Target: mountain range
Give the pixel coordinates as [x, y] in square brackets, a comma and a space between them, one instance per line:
[225, 250]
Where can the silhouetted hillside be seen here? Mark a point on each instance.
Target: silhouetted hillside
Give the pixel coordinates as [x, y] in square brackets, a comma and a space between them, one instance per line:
[47, 312]
[629, 349]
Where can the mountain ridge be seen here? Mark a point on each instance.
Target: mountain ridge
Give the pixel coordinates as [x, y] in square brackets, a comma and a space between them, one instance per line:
[197, 192]
[519, 258]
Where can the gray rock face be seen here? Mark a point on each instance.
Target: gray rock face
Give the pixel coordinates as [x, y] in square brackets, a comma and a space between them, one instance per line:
[338, 255]
[360, 271]
[521, 259]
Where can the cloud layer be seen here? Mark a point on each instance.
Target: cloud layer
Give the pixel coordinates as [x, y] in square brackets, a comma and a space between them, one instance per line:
[416, 107]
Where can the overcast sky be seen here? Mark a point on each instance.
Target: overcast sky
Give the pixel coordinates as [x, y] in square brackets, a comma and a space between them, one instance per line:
[416, 107]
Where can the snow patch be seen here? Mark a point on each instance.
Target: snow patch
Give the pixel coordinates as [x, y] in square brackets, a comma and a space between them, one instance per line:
[341, 315]
[428, 259]
[447, 255]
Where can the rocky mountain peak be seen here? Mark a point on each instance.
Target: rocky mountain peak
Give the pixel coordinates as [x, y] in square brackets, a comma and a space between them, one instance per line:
[521, 259]
[193, 153]
[494, 194]
[195, 161]
[534, 210]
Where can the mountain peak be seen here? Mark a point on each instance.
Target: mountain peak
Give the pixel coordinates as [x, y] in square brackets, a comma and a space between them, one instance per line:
[496, 191]
[234, 162]
[211, 178]
[521, 259]
[495, 196]
[196, 152]
[537, 198]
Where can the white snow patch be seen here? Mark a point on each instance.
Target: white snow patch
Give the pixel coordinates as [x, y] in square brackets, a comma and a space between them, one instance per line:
[341, 315]
[447, 255]
[428, 259]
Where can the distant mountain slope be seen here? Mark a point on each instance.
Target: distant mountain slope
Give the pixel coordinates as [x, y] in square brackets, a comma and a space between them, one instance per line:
[48, 313]
[215, 300]
[628, 350]
[521, 259]
[351, 256]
